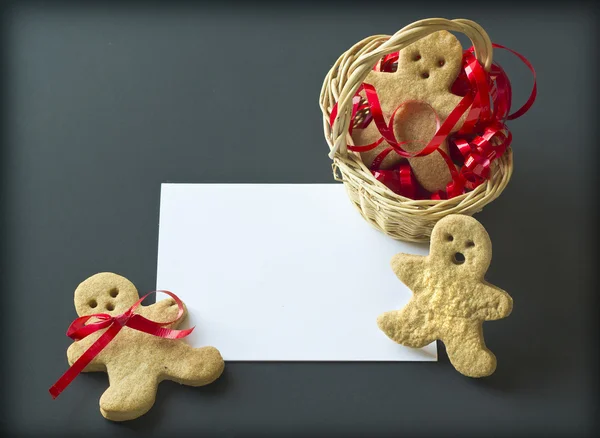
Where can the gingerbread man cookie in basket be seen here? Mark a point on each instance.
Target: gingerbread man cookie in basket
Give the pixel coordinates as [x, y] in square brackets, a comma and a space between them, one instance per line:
[420, 88]
[136, 361]
[451, 299]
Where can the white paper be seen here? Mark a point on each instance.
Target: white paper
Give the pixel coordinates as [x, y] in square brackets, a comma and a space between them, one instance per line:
[281, 272]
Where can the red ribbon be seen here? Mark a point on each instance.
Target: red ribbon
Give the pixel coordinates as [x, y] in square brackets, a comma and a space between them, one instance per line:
[483, 137]
[79, 330]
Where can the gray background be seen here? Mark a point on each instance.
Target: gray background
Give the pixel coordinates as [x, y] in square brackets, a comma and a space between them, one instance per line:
[103, 103]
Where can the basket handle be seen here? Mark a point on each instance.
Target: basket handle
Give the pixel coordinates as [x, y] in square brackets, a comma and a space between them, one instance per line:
[404, 37]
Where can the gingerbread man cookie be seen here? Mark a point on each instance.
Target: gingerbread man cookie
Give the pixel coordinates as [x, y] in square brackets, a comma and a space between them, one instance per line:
[450, 299]
[137, 362]
[426, 71]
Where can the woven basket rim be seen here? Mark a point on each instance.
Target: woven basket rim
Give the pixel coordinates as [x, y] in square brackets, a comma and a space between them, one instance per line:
[420, 204]
[369, 51]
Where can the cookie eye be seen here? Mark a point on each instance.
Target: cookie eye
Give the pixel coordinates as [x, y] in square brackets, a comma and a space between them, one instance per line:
[441, 62]
[92, 303]
[470, 244]
[449, 237]
[110, 307]
[114, 292]
[416, 57]
[458, 258]
[425, 75]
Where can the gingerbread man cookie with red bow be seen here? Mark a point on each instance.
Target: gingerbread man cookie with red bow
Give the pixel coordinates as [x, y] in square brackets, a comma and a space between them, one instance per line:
[136, 362]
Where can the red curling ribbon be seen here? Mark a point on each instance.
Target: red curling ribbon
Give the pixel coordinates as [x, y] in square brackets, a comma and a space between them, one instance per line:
[399, 180]
[482, 138]
[79, 330]
[529, 103]
[376, 164]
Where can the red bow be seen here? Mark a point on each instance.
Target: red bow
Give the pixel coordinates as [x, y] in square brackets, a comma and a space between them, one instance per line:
[483, 137]
[79, 330]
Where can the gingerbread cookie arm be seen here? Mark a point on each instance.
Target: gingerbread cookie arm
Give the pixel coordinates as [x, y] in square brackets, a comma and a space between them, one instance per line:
[408, 327]
[409, 268]
[447, 103]
[192, 366]
[163, 311]
[494, 303]
[376, 79]
[131, 393]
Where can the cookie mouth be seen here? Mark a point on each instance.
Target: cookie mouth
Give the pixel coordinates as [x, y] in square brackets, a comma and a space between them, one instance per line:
[458, 258]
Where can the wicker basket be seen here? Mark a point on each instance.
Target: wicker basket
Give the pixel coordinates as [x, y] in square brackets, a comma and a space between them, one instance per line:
[397, 216]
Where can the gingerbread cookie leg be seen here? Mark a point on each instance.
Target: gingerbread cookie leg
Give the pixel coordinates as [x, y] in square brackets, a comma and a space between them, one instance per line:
[409, 326]
[368, 135]
[466, 349]
[131, 393]
[193, 366]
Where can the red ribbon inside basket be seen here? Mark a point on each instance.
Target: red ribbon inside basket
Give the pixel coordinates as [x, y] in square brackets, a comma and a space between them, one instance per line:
[79, 330]
[483, 138]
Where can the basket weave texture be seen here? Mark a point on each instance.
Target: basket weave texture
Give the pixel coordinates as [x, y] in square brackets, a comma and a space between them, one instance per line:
[397, 216]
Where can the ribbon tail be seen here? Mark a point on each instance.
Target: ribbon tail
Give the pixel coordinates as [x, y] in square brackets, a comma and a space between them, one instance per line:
[527, 105]
[84, 360]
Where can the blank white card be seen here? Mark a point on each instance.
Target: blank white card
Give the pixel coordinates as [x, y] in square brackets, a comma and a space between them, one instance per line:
[281, 272]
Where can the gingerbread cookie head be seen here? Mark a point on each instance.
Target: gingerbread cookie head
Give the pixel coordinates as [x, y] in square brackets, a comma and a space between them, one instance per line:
[105, 293]
[423, 81]
[461, 244]
[426, 71]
